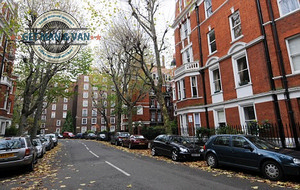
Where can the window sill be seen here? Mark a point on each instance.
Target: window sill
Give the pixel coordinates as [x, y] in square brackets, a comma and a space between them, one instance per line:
[295, 73]
[212, 53]
[217, 93]
[244, 86]
[234, 40]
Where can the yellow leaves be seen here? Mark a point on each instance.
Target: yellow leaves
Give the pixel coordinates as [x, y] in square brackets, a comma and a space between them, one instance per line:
[63, 186]
[92, 182]
[254, 187]
[129, 186]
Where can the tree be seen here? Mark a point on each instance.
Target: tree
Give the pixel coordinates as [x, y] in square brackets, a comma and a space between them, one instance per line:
[144, 12]
[69, 124]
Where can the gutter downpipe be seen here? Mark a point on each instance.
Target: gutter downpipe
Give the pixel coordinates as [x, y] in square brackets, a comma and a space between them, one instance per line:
[270, 73]
[202, 73]
[284, 79]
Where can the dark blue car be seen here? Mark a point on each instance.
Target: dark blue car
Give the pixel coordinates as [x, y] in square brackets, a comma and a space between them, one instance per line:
[253, 153]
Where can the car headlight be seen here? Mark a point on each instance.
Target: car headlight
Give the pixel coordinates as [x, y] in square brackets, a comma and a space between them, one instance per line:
[183, 149]
[296, 161]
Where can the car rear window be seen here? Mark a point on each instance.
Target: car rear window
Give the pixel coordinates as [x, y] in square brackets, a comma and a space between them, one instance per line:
[222, 140]
[10, 144]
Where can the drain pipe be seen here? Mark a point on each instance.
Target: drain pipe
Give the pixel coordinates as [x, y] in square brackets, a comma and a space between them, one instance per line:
[270, 73]
[284, 79]
[202, 73]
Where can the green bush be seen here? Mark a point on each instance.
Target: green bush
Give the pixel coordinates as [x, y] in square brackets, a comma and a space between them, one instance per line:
[151, 132]
[11, 131]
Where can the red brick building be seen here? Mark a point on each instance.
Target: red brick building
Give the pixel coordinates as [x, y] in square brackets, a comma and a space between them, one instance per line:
[7, 55]
[235, 60]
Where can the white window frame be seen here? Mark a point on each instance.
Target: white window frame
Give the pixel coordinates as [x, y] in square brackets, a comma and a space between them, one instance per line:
[85, 86]
[83, 129]
[53, 114]
[233, 27]
[112, 120]
[84, 112]
[58, 122]
[217, 118]
[290, 11]
[93, 128]
[85, 103]
[85, 94]
[187, 55]
[194, 86]
[102, 120]
[197, 125]
[86, 78]
[235, 69]
[212, 79]
[210, 43]
[139, 110]
[183, 125]
[53, 106]
[297, 54]
[65, 107]
[94, 112]
[243, 115]
[112, 128]
[84, 121]
[185, 29]
[43, 117]
[208, 6]
[179, 90]
[64, 115]
[65, 99]
[93, 120]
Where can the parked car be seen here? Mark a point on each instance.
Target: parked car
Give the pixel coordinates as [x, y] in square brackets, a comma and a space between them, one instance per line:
[54, 138]
[78, 136]
[175, 146]
[60, 136]
[103, 136]
[116, 139]
[253, 153]
[91, 136]
[41, 149]
[135, 141]
[49, 142]
[68, 135]
[17, 151]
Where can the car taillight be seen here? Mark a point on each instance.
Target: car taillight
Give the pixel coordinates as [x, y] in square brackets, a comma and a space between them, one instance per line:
[27, 152]
[204, 147]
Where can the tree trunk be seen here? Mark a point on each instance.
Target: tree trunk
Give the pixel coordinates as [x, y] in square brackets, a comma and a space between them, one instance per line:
[130, 129]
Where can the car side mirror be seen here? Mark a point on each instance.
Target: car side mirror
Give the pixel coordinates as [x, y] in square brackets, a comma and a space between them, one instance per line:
[248, 146]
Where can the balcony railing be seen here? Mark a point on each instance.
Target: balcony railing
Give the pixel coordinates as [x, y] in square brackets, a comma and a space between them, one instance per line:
[5, 80]
[187, 67]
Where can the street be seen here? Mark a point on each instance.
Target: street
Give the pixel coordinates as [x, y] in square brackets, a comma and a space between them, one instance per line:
[85, 164]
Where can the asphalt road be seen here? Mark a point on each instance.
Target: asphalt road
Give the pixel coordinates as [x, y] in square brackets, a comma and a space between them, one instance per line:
[92, 165]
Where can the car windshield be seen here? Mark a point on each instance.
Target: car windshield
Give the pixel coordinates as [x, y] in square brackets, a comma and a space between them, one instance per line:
[124, 135]
[10, 144]
[262, 143]
[138, 136]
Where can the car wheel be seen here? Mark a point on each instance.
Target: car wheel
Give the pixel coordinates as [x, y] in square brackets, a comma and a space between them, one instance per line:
[272, 170]
[30, 167]
[174, 155]
[211, 160]
[153, 151]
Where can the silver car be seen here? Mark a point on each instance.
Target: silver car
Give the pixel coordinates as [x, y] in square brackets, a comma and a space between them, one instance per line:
[17, 151]
[41, 148]
[54, 138]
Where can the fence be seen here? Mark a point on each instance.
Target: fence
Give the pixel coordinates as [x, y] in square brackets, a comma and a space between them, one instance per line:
[284, 136]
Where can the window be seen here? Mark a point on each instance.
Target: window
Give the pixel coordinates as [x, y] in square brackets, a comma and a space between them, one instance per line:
[208, 8]
[294, 53]
[221, 120]
[95, 95]
[44, 111]
[222, 140]
[112, 120]
[94, 120]
[103, 121]
[65, 99]
[57, 130]
[139, 110]
[179, 5]
[53, 114]
[53, 106]
[212, 42]
[197, 121]
[112, 128]
[153, 117]
[85, 103]
[85, 95]
[183, 125]
[95, 88]
[194, 86]
[94, 128]
[239, 142]
[243, 73]
[83, 129]
[86, 78]
[43, 117]
[65, 107]
[94, 112]
[235, 25]
[159, 117]
[187, 55]
[64, 114]
[84, 121]
[216, 80]
[85, 86]
[287, 6]
[58, 122]
[84, 112]
[249, 114]
[105, 103]
[43, 125]
[103, 128]
[181, 89]
[185, 29]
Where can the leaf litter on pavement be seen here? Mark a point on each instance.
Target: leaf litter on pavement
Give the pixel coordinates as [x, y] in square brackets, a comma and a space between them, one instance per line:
[201, 164]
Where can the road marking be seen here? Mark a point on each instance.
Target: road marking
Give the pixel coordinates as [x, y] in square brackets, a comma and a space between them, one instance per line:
[90, 150]
[125, 173]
